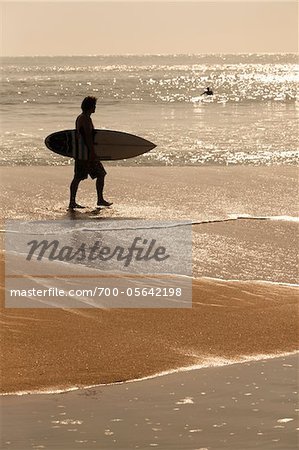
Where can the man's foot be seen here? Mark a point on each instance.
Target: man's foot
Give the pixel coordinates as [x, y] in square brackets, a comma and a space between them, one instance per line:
[104, 203]
[75, 206]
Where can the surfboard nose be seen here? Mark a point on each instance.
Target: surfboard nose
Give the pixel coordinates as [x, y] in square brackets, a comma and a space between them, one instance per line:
[151, 145]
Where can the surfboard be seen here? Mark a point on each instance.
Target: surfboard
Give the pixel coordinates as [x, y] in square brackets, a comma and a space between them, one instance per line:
[109, 145]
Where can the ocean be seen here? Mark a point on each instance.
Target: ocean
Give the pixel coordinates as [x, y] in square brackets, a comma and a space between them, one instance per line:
[251, 119]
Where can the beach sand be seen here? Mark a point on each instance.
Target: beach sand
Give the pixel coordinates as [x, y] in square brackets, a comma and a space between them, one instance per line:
[62, 348]
[230, 320]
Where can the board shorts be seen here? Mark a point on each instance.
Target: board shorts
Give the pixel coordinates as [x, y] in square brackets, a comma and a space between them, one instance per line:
[94, 169]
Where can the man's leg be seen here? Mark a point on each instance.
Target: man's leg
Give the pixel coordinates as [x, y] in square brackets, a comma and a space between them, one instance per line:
[100, 188]
[73, 192]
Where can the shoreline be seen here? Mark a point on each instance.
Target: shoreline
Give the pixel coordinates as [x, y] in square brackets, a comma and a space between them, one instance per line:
[242, 360]
[234, 280]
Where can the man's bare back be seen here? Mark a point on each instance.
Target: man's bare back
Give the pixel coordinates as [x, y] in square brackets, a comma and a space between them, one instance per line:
[90, 167]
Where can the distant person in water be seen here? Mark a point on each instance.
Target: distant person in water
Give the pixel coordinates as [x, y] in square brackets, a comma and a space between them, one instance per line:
[91, 167]
[207, 92]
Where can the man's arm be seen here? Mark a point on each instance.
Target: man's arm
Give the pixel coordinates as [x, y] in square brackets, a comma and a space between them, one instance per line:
[86, 132]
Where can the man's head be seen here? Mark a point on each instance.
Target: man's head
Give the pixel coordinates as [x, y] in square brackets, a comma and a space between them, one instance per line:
[89, 104]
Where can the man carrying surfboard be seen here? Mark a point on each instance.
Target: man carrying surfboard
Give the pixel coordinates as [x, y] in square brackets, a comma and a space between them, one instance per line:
[91, 167]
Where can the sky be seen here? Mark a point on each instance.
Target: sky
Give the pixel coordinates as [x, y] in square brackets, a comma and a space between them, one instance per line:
[152, 27]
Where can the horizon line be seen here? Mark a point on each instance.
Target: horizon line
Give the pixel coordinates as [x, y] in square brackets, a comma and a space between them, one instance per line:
[149, 54]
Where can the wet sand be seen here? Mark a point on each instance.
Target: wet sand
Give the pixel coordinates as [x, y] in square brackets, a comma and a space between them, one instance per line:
[242, 406]
[196, 193]
[230, 320]
[46, 349]
[43, 349]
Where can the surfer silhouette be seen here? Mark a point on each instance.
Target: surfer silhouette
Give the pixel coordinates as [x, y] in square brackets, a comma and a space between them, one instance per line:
[91, 167]
[208, 91]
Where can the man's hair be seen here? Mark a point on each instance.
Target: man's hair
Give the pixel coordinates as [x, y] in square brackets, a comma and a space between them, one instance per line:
[88, 103]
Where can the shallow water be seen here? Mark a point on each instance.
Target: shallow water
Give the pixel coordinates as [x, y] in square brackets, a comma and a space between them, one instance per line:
[191, 410]
[251, 119]
[244, 219]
